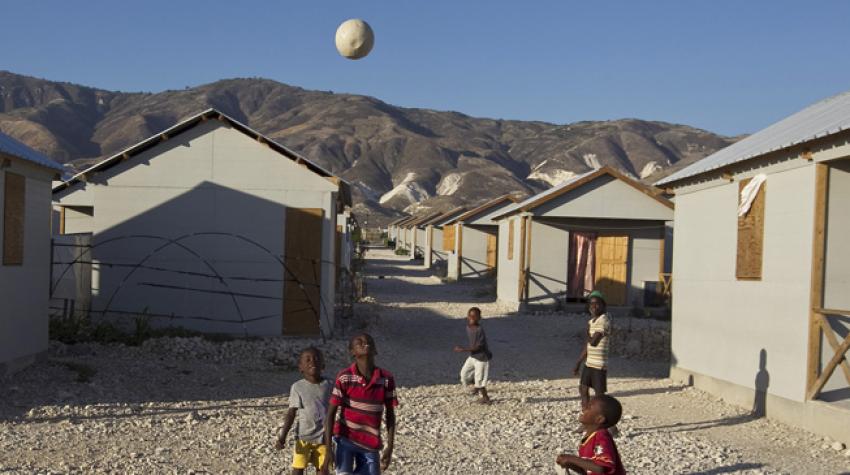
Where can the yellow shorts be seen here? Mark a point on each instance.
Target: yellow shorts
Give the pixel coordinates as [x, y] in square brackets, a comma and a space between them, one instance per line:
[308, 453]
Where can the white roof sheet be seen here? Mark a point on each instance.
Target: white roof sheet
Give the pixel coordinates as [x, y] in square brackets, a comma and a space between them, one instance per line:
[180, 127]
[10, 146]
[542, 194]
[823, 118]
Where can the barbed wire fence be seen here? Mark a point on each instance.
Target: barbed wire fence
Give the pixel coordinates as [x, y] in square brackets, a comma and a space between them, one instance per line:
[81, 261]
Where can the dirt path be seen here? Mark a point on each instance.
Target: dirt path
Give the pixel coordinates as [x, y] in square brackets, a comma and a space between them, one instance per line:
[669, 429]
[192, 406]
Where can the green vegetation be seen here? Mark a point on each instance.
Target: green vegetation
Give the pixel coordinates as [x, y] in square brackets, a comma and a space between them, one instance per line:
[84, 372]
[80, 328]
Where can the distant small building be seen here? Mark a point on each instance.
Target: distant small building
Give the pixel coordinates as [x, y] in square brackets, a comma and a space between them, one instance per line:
[211, 226]
[599, 230]
[25, 180]
[403, 235]
[475, 235]
[761, 270]
[393, 230]
[436, 248]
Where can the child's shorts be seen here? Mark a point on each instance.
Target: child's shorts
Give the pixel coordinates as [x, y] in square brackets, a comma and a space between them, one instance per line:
[308, 453]
[475, 372]
[594, 378]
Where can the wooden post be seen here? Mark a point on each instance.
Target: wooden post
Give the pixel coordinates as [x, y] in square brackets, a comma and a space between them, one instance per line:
[521, 258]
[816, 289]
[459, 246]
[61, 220]
[528, 226]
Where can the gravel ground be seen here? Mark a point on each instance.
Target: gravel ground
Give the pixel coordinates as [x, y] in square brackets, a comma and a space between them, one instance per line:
[184, 405]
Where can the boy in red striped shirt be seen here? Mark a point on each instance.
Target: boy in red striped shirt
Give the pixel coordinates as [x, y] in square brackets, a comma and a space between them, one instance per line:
[363, 391]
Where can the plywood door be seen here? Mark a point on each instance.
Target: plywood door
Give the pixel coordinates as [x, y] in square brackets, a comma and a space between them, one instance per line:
[491, 250]
[302, 284]
[449, 238]
[612, 256]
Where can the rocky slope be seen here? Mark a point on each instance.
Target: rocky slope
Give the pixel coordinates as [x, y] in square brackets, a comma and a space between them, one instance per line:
[396, 158]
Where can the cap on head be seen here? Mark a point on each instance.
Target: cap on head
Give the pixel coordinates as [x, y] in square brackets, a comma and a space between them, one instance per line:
[598, 295]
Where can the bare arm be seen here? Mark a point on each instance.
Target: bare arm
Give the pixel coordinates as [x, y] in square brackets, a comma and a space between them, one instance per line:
[329, 431]
[595, 339]
[387, 456]
[471, 349]
[287, 425]
[578, 464]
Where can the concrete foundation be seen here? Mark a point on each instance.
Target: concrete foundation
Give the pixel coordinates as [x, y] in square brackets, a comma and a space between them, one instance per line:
[819, 417]
[8, 368]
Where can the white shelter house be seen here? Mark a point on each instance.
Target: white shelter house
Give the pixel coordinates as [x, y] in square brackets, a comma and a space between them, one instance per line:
[393, 230]
[474, 235]
[407, 234]
[761, 270]
[600, 230]
[403, 237]
[436, 249]
[417, 235]
[25, 179]
[345, 224]
[212, 226]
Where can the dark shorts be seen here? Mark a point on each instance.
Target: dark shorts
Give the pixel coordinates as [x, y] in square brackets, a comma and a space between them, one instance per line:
[594, 378]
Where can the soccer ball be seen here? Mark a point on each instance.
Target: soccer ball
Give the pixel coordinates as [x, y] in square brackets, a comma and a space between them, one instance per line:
[354, 39]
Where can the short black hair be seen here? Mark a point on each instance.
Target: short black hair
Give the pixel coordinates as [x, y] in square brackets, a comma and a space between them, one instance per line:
[311, 349]
[358, 335]
[476, 310]
[611, 409]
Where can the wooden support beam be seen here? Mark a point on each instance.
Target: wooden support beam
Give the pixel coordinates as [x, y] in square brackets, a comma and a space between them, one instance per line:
[816, 288]
[459, 237]
[837, 358]
[521, 258]
[528, 227]
[807, 155]
[829, 333]
[61, 220]
[727, 176]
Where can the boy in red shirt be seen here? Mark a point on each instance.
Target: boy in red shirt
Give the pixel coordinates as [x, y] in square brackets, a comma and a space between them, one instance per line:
[597, 452]
[364, 392]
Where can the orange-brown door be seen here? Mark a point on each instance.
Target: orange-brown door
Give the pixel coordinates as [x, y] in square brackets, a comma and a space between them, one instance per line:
[492, 247]
[302, 284]
[612, 263]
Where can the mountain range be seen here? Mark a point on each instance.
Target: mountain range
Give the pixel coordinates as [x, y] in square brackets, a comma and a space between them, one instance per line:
[397, 159]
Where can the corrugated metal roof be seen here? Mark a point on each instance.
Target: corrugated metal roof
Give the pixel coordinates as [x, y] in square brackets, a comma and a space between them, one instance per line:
[12, 147]
[823, 118]
[543, 194]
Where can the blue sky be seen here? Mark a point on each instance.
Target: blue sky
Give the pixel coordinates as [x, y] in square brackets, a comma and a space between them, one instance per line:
[727, 66]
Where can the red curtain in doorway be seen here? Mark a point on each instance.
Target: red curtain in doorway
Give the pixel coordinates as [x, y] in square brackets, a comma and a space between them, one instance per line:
[581, 264]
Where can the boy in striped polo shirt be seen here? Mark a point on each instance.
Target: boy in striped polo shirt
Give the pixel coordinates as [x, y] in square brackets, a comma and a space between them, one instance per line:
[592, 364]
[364, 392]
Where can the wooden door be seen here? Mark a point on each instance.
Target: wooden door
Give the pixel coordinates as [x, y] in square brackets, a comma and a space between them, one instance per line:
[449, 238]
[492, 248]
[302, 284]
[612, 264]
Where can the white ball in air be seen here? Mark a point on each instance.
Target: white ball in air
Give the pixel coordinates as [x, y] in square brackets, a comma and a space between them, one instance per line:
[354, 39]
